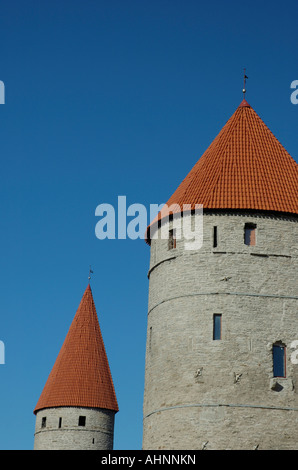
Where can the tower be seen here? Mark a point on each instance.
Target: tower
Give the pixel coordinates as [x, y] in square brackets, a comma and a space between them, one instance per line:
[78, 404]
[222, 318]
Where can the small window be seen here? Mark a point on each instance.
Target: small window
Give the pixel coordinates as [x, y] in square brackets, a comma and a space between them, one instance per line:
[43, 422]
[250, 234]
[172, 239]
[279, 360]
[214, 236]
[60, 423]
[150, 338]
[82, 420]
[217, 317]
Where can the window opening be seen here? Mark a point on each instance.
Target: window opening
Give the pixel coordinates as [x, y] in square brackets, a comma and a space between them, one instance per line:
[172, 239]
[279, 360]
[217, 326]
[82, 420]
[214, 236]
[250, 234]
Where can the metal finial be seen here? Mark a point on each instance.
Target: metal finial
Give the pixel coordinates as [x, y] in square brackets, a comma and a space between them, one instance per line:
[90, 272]
[245, 77]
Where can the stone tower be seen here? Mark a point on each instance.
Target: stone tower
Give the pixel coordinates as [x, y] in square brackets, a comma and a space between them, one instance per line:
[78, 404]
[220, 359]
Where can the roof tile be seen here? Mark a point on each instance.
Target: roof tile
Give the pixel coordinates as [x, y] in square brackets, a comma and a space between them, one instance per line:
[245, 167]
[81, 375]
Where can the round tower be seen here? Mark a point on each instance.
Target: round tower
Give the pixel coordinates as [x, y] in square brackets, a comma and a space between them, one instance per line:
[221, 368]
[77, 407]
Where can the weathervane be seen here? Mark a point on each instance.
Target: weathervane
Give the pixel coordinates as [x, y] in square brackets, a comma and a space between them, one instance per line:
[244, 84]
[90, 272]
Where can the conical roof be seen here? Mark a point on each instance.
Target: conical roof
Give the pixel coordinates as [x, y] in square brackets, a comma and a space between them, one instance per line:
[244, 168]
[81, 375]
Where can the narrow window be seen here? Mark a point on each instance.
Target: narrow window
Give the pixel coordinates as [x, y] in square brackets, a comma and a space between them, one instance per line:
[214, 236]
[82, 420]
[93, 441]
[217, 326]
[250, 234]
[150, 338]
[172, 239]
[60, 422]
[279, 360]
[43, 422]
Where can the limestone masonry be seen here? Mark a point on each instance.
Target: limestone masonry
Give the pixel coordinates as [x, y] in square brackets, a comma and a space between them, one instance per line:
[222, 394]
[222, 319]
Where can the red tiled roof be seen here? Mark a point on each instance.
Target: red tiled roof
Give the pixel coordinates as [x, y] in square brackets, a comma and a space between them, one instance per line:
[81, 375]
[245, 167]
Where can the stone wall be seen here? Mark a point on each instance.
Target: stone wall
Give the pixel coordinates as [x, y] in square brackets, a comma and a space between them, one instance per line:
[221, 394]
[96, 434]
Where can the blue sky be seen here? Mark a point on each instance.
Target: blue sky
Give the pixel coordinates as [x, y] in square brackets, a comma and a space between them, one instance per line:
[109, 98]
